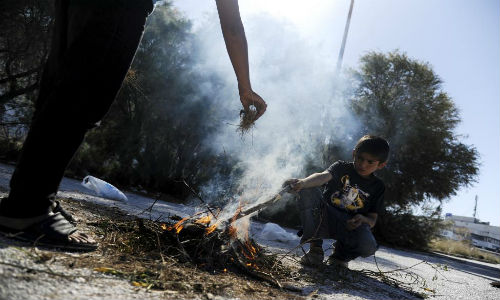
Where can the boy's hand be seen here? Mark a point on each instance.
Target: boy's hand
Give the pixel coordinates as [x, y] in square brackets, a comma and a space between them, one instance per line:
[355, 222]
[294, 183]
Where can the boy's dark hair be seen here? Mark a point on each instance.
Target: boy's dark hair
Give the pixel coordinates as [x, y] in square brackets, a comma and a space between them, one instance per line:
[373, 145]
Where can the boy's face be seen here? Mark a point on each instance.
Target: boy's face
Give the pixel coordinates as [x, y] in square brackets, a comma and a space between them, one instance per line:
[365, 163]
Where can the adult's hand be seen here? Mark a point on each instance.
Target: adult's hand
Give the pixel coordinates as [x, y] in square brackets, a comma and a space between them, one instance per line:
[249, 98]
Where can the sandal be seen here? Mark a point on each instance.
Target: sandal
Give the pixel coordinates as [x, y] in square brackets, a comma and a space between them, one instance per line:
[53, 231]
[58, 208]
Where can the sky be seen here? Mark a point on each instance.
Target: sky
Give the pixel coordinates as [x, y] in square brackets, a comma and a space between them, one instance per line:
[459, 39]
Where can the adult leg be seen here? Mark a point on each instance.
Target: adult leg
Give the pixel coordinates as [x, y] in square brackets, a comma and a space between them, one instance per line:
[83, 78]
[95, 43]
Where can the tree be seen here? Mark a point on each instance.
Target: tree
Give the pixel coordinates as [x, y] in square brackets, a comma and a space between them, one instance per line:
[24, 41]
[153, 135]
[401, 99]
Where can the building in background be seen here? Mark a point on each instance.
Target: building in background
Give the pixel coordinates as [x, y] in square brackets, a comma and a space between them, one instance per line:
[480, 234]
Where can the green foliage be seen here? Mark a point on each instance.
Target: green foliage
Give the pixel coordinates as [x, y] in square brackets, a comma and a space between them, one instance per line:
[153, 135]
[403, 229]
[24, 41]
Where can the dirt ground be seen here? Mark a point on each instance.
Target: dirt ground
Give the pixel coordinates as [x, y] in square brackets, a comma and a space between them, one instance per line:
[116, 258]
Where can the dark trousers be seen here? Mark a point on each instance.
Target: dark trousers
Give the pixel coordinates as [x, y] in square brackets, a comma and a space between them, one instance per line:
[322, 221]
[93, 45]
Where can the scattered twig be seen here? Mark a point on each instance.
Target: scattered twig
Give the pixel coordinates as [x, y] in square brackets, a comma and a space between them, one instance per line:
[199, 197]
[150, 208]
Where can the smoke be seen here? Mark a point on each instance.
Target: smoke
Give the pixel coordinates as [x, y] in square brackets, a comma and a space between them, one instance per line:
[297, 79]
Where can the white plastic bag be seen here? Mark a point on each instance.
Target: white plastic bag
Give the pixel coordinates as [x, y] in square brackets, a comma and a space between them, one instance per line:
[103, 189]
[273, 232]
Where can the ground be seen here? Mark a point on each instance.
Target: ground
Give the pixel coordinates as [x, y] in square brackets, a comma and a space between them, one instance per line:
[121, 269]
[181, 280]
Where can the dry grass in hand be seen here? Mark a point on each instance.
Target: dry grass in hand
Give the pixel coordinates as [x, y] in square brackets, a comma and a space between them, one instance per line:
[247, 120]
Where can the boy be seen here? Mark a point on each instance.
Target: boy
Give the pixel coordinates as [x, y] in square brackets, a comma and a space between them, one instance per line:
[347, 209]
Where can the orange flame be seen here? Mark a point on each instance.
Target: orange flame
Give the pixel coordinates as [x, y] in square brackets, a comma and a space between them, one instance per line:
[178, 226]
[250, 252]
[204, 220]
[211, 229]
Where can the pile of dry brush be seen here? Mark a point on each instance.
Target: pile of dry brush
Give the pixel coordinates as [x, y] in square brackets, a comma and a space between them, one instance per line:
[191, 241]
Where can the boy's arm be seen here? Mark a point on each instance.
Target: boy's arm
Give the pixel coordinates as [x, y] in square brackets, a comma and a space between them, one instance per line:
[237, 48]
[313, 180]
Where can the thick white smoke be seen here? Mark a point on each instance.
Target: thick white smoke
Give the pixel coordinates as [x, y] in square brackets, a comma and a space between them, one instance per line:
[298, 80]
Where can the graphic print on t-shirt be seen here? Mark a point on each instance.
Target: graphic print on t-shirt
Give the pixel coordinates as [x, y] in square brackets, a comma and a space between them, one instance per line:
[350, 197]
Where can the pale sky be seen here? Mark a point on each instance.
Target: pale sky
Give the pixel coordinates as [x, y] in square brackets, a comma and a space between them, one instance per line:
[460, 39]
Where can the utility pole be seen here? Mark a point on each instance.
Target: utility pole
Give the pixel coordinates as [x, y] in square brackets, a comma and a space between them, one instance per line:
[475, 209]
[344, 39]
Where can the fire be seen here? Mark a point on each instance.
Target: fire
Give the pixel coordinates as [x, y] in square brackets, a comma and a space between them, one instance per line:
[249, 251]
[211, 229]
[232, 230]
[254, 265]
[204, 220]
[178, 226]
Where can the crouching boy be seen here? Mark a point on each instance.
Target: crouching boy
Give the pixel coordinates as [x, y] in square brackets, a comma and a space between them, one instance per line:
[347, 208]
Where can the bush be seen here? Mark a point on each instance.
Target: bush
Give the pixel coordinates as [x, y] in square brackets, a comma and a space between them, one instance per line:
[406, 230]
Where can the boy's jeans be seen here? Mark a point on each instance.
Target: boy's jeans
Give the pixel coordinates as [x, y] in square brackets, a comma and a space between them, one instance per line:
[93, 45]
[322, 221]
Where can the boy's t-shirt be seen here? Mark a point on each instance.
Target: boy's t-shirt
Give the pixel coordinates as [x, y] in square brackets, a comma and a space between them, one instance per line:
[348, 191]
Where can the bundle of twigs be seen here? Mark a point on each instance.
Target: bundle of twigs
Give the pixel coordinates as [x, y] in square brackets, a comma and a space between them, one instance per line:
[220, 250]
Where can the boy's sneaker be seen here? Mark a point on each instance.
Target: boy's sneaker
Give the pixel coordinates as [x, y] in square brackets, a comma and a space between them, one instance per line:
[335, 262]
[314, 257]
